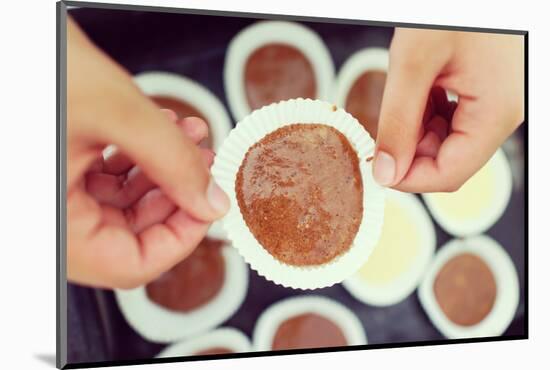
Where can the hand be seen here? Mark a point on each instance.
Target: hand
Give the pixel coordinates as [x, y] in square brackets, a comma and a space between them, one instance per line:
[426, 143]
[136, 212]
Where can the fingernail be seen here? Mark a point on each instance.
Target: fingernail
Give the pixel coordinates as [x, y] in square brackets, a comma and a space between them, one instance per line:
[384, 168]
[217, 198]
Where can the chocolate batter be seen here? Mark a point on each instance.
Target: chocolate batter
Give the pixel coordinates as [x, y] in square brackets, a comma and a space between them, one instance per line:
[182, 109]
[465, 288]
[308, 331]
[300, 192]
[276, 72]
[214, 351]
[365, 98]
[193, 282]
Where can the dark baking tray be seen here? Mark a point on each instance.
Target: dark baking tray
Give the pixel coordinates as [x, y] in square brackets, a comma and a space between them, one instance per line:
[195, 46]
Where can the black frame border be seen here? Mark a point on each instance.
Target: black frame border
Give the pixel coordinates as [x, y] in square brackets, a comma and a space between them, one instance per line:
[61, 162]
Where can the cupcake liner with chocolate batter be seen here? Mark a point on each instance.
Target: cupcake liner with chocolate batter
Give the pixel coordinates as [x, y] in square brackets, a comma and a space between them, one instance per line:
[300, 192]
[307, 322]
[271, 61]
[360, 86]
[305, 210]
[471, 289]
[164, 312]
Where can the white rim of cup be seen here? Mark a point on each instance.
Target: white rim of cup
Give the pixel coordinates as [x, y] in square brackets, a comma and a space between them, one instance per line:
[491, 214]
[157, 83]
[364, 60]
[266, 32]
[227, 337]
[270, 320]
[504, 272]
[402, 286]
[159, 324]
[190, 92]
[229, 159]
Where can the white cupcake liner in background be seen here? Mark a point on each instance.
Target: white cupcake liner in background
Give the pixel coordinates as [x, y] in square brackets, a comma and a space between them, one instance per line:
[172, 85]
[158, 324]
[402, 286]
[268, 32]
[192, 93]
[491, 214]
[369, 59]
[230, 156]
[504, 272]
[229, 338]
[270, 320]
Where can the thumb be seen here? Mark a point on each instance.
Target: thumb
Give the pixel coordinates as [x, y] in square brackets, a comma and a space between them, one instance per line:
[410, 77]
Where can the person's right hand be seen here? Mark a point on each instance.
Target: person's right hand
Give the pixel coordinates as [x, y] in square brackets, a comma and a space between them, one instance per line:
[136, 212]
[438, 147]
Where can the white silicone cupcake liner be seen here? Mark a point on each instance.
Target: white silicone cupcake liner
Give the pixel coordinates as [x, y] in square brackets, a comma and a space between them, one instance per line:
[230, 156]
[159, 324]
[369, 59]
[490, 214]
[270, 320]
[198, 96]
[268, 32]
[229, 338]
[507, 297]
[192, 93]
[393, 292]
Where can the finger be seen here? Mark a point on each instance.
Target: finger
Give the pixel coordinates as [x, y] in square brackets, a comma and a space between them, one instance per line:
[118, 191]
[164, 245]
[114, 216]
[412, 71]
[438, 126]
[116, 162]
[123, 190]
[428, 146]
[154, 207]
[195, 128]
[460, 156]
[96, 166]
[170, 114]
